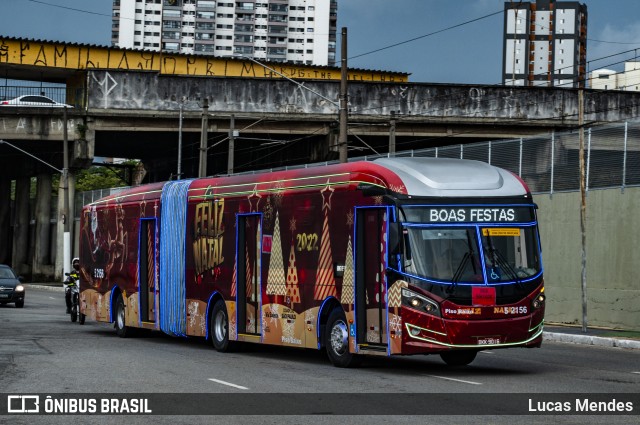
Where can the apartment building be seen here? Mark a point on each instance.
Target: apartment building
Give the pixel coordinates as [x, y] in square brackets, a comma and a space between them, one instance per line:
[545, 43]
[297, 31]
[607, 79]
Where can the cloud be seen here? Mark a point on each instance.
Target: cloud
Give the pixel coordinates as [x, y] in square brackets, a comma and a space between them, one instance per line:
[606, 45]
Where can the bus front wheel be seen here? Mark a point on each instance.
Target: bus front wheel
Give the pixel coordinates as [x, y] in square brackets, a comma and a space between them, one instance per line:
[458, 358]
[336, 341]
[219, 327]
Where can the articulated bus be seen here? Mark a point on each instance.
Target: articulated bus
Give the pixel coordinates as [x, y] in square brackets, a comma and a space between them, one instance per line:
[392, 257]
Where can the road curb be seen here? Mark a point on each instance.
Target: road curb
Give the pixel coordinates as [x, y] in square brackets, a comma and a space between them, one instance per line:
[590, 340]
[45, 287]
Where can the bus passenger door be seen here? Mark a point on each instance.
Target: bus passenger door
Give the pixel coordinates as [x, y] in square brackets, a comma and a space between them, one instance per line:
[249, 319]
[371, 291]
[146, 267]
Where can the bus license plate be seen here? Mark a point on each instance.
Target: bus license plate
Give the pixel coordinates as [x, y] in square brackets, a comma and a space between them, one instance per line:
[488, 341]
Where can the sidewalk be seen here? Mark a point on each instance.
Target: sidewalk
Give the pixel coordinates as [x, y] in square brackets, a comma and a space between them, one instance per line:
[594, 336]
[553, 332]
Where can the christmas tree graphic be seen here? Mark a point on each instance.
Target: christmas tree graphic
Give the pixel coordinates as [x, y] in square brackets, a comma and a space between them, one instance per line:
[293, 291]
[325, 280]
[347, 277]
[276, 281]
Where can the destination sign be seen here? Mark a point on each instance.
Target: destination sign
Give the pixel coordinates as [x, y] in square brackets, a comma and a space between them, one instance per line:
[470, 215]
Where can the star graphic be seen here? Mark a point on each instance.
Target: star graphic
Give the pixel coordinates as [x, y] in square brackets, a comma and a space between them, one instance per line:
[350, 218]
[292, 224]
[327, 192]
[254, 200]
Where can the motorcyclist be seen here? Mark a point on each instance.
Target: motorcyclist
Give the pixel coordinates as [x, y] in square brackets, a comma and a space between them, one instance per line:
[70, 281]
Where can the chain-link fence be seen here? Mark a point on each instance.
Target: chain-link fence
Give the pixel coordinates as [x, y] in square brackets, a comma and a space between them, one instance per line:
[552, 163]
[547, 164]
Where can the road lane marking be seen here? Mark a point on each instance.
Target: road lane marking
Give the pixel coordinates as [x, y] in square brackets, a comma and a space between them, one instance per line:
[51, 298]
[229, 384]
[487, 352]
[455, 380]
[638, 373]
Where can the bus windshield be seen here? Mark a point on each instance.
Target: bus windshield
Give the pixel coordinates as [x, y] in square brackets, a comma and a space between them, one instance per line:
[511, 254]
[452, 254]
[445, 254]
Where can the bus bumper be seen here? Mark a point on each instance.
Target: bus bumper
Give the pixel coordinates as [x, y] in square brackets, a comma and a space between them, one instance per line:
[424, 335]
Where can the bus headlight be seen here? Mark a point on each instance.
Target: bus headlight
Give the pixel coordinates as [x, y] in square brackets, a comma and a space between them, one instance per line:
[420, 302]
[538, 301]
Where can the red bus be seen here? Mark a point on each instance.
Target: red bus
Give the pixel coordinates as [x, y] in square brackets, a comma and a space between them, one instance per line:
[391, 257]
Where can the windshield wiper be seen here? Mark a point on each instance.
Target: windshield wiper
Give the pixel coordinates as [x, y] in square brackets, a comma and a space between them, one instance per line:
[501, 261]
[467, 256]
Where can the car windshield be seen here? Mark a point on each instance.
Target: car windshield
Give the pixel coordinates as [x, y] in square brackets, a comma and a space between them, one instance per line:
[452, 254]
[6, 273]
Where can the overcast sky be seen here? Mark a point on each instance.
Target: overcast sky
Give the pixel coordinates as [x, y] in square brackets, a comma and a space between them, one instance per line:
[470, 53]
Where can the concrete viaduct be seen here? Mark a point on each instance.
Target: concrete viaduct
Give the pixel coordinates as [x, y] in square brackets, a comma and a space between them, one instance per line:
[134, 112]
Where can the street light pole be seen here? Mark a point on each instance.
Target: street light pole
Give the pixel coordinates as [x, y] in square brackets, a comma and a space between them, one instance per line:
[202, 169]
[66, 220]
[232, 144]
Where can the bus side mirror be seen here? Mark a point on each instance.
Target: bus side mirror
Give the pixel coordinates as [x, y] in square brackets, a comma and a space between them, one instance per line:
[407, 246]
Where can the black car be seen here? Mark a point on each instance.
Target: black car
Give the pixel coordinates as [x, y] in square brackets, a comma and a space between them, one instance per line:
[11, 288]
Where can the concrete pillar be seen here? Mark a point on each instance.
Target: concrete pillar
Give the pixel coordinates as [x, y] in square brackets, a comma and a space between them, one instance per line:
[5, 220]
[42, 255]
[21, 226]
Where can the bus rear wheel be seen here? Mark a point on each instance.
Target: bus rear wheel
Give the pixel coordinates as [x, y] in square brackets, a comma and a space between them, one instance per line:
[121, 329]
[458, 358]
[219, 327]
[336, 341]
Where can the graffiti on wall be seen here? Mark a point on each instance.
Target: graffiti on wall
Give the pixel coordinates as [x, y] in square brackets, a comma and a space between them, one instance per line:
[35, 125]
[84, 57]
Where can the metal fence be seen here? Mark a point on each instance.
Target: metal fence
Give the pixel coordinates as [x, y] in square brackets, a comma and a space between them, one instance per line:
[547, 164]
[59, 93]
[551, 163]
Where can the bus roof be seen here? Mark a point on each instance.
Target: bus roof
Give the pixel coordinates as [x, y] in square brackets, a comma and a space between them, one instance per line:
[416, 177]
[446, 177]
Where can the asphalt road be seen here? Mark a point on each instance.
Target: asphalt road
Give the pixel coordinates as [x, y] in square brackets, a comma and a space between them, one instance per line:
[41, 351]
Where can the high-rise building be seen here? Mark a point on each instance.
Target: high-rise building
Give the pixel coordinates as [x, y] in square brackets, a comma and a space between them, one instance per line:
[545, 43]
[298, 31]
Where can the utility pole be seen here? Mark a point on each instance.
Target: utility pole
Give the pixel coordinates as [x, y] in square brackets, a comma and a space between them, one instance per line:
[232, 144]
[66, 220]
[344, 100]
[392, 134]
[202, 169]
[583, 208]
[179, 176]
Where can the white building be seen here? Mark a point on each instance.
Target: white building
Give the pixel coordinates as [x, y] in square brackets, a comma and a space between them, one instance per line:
[606, 79]
[298, 31]
[545, 43]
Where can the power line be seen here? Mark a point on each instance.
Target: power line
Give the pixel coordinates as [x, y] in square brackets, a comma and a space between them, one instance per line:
[427, 35]
[71, 8]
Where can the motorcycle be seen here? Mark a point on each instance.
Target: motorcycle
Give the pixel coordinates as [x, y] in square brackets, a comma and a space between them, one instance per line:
[72, 290]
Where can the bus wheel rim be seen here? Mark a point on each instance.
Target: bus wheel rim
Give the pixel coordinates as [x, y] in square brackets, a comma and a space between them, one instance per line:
[339, 338]
[220, 326]
[121, 316]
